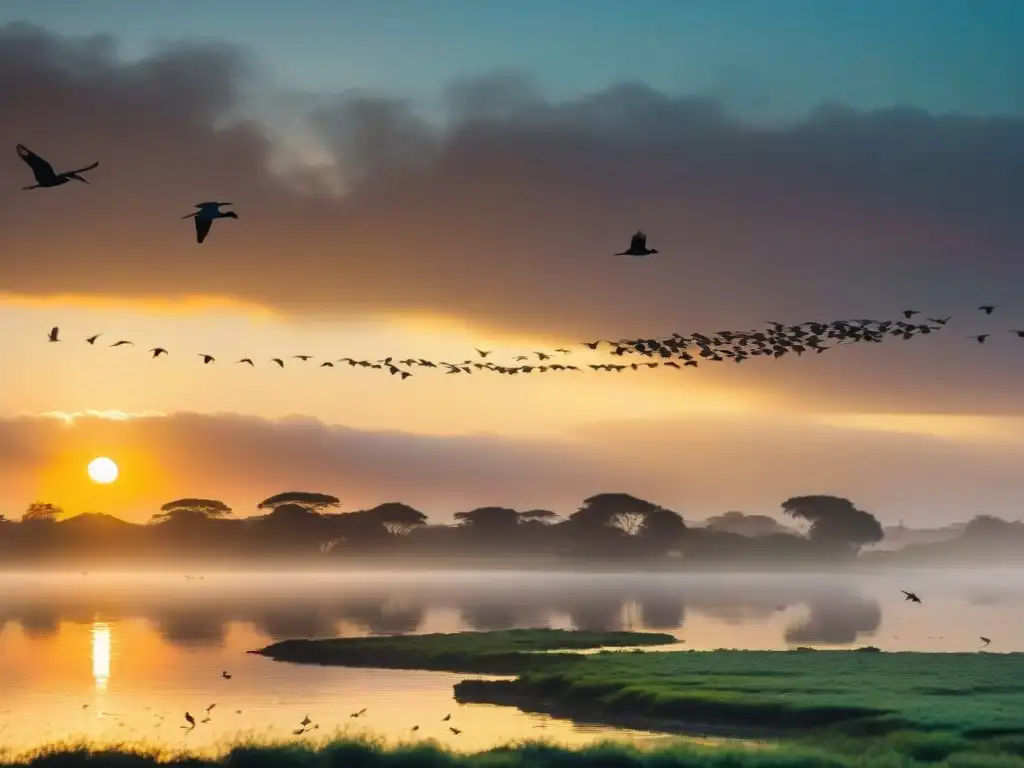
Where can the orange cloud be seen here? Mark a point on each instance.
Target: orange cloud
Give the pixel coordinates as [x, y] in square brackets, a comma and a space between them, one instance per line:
[699, 466]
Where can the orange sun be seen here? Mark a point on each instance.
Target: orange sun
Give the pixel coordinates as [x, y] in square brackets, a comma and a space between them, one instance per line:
[102, 470]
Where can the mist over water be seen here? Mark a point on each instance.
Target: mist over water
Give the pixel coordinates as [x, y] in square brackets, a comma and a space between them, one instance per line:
[120, 657]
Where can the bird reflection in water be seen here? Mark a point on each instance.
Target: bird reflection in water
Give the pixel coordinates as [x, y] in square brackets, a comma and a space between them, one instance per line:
[100, 655]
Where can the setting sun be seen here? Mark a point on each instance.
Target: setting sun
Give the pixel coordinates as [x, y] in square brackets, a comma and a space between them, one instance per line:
[103, 470]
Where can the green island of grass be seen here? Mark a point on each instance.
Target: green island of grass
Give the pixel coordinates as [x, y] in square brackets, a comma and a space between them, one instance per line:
[484, 653]
[887, 708]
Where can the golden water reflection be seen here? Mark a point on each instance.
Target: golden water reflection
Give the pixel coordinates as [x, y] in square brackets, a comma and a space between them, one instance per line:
[101, 655]
[170, 639]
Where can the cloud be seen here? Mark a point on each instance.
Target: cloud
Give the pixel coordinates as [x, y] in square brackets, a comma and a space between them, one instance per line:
[698, 467]
[505, 214]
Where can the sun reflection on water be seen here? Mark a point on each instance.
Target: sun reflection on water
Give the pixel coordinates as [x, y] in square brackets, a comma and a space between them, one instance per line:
[100, 655]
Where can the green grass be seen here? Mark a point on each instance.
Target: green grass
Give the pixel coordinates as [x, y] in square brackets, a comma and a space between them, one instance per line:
[954, 709]
[495, 653]
[369, 754]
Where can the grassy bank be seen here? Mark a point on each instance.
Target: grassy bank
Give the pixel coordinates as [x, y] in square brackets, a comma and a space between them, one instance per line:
[955, 709]
[367, 754]
[485, 653]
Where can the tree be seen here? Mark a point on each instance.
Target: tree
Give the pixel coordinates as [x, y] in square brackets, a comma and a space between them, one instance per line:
[41, 512]
[836, 524]
[488, 518]
[191, 509]
[545, 516]
[746, 525]
[313, 502]
[394, 517]
[607, 516]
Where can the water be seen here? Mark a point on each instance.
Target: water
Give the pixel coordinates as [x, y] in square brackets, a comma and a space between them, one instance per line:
[120, 657]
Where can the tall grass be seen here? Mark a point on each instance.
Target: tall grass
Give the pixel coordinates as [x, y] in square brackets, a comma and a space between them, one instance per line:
[369, 754]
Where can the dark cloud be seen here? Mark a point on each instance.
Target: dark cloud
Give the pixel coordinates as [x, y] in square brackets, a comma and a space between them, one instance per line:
[699, 467]
[507, 214]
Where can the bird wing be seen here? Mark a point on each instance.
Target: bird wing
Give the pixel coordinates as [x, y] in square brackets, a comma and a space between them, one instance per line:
[211, 204]
[639, 240]
[39, 166]
[87, 168]
[202, 228]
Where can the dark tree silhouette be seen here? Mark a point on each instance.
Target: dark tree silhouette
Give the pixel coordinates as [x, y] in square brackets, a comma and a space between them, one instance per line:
[41, 512]
[393, 517]
[314, 502]
[608, 516]
[489, 518]
[182, 509]
[545, 516]
[836, 524]
[743, 524]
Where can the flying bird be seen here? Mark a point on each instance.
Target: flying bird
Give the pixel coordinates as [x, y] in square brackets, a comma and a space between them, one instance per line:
[157, 351]
[225, 675]
[638, 246]
[92, 339]
[123, 343]
[190, 720]
[303, 358]
[985, 642]
[207, 359]
[53, 334]
[44, 173]
[980, 338]
[206, 214]
[988, 308]
[911, 596]
[277, 360]
[246, 360]
[305, 721]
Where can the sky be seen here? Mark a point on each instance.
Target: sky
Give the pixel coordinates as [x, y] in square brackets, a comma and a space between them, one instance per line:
[415, 183]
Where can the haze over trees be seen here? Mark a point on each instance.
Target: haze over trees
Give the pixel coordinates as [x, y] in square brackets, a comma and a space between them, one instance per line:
[310, 529]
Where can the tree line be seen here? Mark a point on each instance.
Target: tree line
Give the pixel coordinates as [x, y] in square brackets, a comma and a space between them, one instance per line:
[606, 527]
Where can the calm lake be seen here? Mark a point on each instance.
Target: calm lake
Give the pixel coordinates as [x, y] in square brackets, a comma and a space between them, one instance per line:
[121, 657]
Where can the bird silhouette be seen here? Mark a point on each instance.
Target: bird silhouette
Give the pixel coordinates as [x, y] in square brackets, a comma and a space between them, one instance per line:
[247, 360]
[988, 308]
[985, 642]
[305, 721]
[123, 344]
[207, 359]
[157, 351]
[454, 730]
[190, 720]
[277, 360]
[205, 215]
[303, 358]
[225, 675]
[54, 334]
[44, 173]
[92, 339]
[638, 246]
[910, 596]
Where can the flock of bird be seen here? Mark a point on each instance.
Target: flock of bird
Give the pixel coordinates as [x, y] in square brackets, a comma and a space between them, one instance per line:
[305, 725]
[677, 351]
